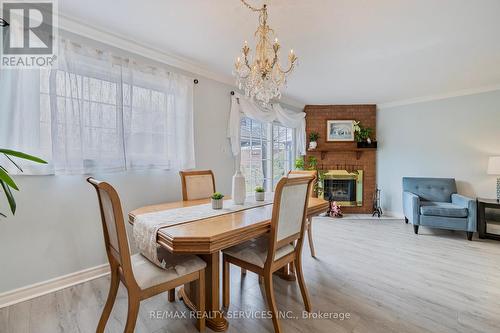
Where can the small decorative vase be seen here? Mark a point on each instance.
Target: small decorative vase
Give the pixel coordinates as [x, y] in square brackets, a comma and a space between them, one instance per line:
[369, 141]
[313, 145]
[238, 191]
[217, 203]
[260, 196]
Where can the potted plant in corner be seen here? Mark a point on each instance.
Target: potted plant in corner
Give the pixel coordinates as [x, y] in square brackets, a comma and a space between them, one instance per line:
[313, 140]
[217, 200]
[260, 194]
[362, 136]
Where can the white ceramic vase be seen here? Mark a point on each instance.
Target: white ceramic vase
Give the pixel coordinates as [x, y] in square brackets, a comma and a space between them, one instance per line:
[313, 145]
[260, 196]
[239, 192]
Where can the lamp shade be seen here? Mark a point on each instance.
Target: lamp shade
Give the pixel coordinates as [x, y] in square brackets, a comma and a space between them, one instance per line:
[494, 165]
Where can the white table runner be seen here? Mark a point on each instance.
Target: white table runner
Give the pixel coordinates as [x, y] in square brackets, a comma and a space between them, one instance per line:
[146, 226]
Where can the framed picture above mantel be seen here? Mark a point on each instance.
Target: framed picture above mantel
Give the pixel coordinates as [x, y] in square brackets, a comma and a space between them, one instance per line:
[339, 130]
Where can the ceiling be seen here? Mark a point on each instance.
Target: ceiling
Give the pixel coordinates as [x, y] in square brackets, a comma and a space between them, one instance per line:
[350, 51]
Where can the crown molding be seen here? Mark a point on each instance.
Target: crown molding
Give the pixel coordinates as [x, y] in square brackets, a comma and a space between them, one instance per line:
[430, 98]
[83, 29]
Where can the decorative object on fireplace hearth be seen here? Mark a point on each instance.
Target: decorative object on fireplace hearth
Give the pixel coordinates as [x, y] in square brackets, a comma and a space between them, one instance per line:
[335, 210]
[377, 209]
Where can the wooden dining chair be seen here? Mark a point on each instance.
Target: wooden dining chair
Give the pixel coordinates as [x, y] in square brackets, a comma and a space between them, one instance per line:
[197, 184]
[314, 173]
[280, 247]
[141, 278]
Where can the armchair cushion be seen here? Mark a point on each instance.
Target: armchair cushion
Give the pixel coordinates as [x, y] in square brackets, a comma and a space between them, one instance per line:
[471, 204]
[444, 209]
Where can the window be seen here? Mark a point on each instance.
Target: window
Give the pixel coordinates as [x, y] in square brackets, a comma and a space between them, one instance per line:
[96, 112]
[267, 153]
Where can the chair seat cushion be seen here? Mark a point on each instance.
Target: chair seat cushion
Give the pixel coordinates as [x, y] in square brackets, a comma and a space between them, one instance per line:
[148, 274]
[445, 209]
[255, 251]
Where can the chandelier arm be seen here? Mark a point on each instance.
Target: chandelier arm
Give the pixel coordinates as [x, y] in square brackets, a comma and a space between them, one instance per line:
[290, 68]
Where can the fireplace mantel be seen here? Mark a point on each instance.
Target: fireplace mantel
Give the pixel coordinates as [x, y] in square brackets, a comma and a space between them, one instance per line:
[358, 151]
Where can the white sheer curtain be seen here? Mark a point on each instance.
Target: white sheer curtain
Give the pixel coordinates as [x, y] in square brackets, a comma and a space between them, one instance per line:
[95, 111]
[240, 105]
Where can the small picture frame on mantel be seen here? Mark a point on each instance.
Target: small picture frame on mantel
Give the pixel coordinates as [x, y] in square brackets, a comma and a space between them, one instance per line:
[339, 130]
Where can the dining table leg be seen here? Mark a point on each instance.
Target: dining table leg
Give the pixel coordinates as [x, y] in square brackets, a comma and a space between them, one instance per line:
[215, 317]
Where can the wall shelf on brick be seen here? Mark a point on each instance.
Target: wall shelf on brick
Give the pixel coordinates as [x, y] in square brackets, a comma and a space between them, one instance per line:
[358, 151]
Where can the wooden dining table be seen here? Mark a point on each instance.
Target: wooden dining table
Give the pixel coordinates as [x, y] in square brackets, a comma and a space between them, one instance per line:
[206, 238]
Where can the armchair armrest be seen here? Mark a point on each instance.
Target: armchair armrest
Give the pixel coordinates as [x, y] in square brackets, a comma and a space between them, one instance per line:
[411, 206]
[471, 205]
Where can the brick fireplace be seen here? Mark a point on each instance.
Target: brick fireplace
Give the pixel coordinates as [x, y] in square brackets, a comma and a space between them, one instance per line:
[352, 170]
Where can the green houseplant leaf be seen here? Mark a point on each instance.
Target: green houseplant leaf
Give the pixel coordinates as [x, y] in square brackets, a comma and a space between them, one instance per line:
[4, 177]
[6, 180]
[22, 155]
[10, 197]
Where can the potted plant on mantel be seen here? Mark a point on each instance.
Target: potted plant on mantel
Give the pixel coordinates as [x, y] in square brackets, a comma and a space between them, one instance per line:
[313, 140]
[260, 194]
[362, 136]
[217, 200]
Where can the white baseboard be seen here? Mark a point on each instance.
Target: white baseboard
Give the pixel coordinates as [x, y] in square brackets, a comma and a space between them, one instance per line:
[395, 214]
[46, 287]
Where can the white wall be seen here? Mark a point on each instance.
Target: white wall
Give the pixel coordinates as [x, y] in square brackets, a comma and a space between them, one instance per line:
[446, 138]
[57, 228]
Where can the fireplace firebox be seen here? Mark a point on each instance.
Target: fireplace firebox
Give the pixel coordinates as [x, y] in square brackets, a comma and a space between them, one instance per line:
[342, 186]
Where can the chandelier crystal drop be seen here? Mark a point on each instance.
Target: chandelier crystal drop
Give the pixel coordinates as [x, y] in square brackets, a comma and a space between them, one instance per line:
[261, 77]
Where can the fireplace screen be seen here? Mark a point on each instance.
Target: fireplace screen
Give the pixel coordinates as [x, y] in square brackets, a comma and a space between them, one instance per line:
[342, 186]
[340, 189]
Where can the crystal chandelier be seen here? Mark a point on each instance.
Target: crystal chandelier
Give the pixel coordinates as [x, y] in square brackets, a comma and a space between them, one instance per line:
[262, 77]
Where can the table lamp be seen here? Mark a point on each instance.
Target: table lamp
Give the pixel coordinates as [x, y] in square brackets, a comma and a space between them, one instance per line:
[494, 169]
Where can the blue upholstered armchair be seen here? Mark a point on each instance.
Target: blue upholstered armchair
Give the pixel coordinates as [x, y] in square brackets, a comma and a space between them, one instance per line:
[434, 203]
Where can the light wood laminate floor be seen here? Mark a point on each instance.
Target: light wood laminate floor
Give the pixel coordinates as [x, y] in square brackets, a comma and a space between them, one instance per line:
[384, 276]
